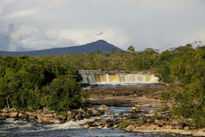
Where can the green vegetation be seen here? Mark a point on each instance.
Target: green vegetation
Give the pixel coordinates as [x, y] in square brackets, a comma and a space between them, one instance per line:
[33, 83]
[131, 49]
[120, 61]
[123, 124]
[184, 69]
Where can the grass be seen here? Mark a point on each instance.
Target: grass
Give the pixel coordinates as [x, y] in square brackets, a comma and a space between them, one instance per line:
[125, 123]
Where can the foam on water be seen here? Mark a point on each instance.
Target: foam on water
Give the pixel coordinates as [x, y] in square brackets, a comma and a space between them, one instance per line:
[72, 124]
[102, 78]
[19, 128]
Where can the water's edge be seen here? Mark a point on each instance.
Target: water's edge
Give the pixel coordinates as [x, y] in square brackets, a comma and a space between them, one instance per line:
[11, 127]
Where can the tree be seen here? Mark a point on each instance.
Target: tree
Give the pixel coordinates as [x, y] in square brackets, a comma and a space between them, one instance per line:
[36, 82]
[131, 49]
[62, 94]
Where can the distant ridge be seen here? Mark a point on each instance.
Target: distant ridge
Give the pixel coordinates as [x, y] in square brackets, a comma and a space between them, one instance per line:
[87, 48]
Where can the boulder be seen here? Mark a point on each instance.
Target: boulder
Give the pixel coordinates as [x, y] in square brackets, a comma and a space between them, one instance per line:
[187, 128]
[90, 112]
[86, 114]
[92, 127]
[32, 117]
[101, 122]
[81, 110]
[103, 108]
[177, 122]
[130, 128]
[109, 123]
[133, 116]
[13, 114]
[71, 116]
[22, 115]
[147, 105]
[69, 113]
[5, 110]
[86, 125]
[49, 115]
[153, 127]
[61, 117]
[47, 120]
[79, 116]
[135, 110]
[160, 123]
[46, 110]
[57, 121]
[152, 112]
[96, 112]
[149, 120]
[4, 115]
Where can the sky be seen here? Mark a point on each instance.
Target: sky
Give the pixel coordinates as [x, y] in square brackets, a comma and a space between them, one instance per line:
[42, 24]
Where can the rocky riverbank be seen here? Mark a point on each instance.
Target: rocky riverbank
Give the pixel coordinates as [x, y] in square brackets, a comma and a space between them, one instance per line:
[146, 121]
[137, 119]
[124, 101]
[127, 96]
[46, 116]
[158, 122]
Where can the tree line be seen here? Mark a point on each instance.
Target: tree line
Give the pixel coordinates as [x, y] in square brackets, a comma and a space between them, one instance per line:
[53, 81]
[28, 83]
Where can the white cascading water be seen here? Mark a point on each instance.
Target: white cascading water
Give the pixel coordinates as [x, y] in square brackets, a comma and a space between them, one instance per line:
[97, 78]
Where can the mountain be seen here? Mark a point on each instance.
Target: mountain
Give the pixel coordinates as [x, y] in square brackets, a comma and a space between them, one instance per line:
[87, 48]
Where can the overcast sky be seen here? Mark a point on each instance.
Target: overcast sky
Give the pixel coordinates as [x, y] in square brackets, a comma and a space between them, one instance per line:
[42, 24]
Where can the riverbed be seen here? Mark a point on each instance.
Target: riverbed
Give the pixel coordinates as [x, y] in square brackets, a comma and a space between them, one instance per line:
[19, 128]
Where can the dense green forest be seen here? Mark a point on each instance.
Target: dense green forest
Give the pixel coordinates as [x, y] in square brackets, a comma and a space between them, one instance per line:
[32, 83]
[53, 81]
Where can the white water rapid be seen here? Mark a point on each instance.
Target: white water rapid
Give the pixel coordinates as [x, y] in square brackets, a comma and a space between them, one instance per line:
[100, 78]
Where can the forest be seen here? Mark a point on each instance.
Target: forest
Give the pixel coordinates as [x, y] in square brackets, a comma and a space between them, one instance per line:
[32, 83]
[53, 81]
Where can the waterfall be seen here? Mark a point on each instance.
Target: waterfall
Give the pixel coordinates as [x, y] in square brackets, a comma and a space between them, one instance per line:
[100, 78]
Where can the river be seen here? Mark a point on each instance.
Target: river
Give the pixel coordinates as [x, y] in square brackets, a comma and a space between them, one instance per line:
[19, 128]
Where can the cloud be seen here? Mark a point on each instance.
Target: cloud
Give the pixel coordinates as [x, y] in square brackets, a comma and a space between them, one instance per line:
[136, 2]
[79, 36]
[5, 3]
[153, 3]
[4, 41]
[51, 3]
[32, 38]
[23, 13]
[41, 24]
[198, 35]
[82, 36]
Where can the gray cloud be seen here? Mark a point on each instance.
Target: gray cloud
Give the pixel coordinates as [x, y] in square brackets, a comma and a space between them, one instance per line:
[41, 24]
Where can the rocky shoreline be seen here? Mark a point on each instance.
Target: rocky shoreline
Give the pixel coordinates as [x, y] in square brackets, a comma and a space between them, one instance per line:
[158, 122]
[137, 120]
[46, 116]
[146, 121]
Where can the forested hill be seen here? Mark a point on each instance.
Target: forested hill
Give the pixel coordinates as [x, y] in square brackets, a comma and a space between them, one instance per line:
[100, 45]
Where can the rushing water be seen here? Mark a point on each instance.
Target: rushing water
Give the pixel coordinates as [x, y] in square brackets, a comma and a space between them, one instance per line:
[21, 128]
[103, 78]
[118, 86]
